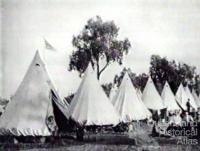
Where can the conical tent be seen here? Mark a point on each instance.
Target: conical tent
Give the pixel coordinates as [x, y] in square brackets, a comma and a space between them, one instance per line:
[128, 104]
[196, 98]
[169, 98]
[30, 112]
[181, 97]
[192, 101]
[90, 105]
[151, 97]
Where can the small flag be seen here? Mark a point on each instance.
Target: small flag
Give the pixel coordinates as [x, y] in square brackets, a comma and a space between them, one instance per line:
[48, 45]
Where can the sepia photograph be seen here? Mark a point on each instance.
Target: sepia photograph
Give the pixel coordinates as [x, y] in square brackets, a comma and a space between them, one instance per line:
[100, 75]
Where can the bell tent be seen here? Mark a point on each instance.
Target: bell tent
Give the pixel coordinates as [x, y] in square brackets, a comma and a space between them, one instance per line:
[30, 111]
[90, 105]
[181, 97]
[128, 103]
[169, 98]
[151, 97]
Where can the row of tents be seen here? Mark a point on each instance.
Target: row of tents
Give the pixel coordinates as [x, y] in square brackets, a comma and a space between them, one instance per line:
[167, 100]
[36, 108]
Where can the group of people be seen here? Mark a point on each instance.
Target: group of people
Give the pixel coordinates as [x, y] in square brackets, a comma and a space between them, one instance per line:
[189, 115]
[178, 119]
[170, 118]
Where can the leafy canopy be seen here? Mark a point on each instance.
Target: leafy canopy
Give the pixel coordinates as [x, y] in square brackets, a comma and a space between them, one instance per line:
[97, 42]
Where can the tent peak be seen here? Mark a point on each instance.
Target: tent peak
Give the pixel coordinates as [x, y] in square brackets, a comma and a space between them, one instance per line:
[169, 98]
[126, 76]
[90, 105]
[89, 70]
[127, 102]
[166, 84]
[32, 103]
[151, 97]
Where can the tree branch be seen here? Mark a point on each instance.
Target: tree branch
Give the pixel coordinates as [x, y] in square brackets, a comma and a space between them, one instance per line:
[103, 68]
[98, 68]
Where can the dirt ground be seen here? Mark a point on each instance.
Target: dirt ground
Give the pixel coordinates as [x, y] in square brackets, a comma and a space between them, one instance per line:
[120, 143]
[138, 140]
[102, 147]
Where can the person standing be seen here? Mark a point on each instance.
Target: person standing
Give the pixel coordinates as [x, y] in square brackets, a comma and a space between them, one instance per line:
[80, 133]
[188, 105]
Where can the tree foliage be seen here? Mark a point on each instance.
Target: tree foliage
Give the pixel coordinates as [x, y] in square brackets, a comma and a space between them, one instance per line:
[107, 88]
[97, 44]
[162, 70]
[139, 81]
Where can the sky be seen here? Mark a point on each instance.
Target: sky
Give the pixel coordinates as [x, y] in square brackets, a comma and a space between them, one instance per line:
[1, 67]
[168, 28]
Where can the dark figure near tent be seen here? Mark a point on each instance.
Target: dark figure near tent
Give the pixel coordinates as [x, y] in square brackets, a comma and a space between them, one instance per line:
[194, 114]
[155, 116]
[188, 106]
[80, 133]
[52, 125]
[154, 131]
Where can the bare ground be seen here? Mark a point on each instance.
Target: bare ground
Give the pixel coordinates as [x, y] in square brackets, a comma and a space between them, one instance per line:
[107, 143]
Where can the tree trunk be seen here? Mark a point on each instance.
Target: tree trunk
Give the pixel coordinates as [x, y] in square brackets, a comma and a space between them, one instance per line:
[98, 75]
[100, 71]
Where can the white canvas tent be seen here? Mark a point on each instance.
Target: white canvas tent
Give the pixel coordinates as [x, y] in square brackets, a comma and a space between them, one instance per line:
[196, 98]
[127, 102]
[29, 111]
[189, 94]
[181, 97]
[169, 98]
[90, 105]
[151, 97]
